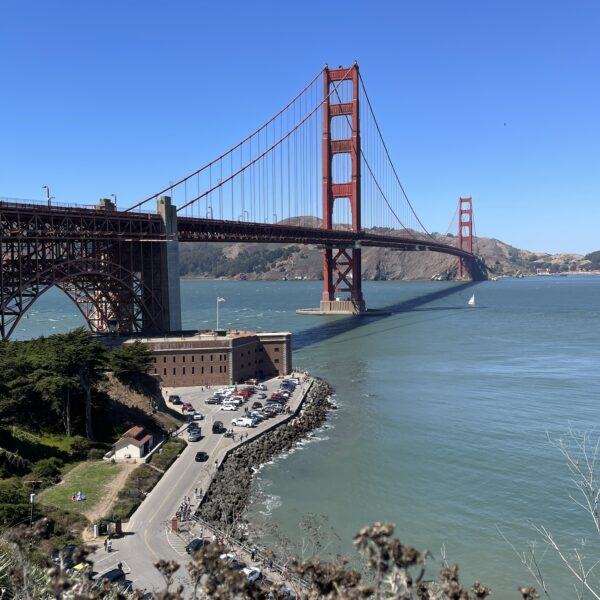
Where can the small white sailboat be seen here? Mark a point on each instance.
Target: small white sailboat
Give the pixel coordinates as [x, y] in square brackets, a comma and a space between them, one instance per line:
[471, 301]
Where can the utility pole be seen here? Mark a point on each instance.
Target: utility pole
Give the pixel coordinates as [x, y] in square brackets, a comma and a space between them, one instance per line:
[32, 499]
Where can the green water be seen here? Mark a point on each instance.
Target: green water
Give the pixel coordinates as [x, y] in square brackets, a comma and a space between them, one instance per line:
[444, 411]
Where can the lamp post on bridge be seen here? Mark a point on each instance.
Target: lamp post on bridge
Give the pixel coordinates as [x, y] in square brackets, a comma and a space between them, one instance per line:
[114, 197]
[48, 196]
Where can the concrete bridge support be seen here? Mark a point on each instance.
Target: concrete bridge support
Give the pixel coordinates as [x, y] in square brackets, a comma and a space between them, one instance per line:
[171, 294]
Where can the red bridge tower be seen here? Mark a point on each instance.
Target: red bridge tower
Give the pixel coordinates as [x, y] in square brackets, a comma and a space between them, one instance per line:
[465, 236]
[341, 266]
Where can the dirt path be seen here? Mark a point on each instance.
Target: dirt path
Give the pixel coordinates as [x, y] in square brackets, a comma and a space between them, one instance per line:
[110, 494]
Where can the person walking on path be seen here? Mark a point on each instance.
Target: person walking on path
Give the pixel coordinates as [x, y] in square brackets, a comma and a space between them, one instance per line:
[105, 543]
[253, 553]
[109, 545]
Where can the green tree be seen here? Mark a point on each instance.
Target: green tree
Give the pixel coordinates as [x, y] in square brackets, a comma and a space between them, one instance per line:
[130, 360]
[86, 358]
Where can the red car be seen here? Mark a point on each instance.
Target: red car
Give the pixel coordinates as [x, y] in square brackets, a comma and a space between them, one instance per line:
[276, 396]
[251, 381]
[186, 406]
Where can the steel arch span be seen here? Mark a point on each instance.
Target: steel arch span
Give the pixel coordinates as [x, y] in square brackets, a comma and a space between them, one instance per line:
[115, 281]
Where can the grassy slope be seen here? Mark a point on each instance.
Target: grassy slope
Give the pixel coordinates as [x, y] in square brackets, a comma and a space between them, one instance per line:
[91, 478]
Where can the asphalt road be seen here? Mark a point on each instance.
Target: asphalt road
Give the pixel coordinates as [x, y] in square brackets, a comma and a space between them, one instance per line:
[147, 536]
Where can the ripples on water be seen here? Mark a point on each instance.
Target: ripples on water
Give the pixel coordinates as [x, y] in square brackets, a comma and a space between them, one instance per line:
[443, 413]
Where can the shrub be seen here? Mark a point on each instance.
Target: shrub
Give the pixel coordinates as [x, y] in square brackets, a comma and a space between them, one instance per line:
[96, 454]
[47, 469]
[80, 447]
[165, 456]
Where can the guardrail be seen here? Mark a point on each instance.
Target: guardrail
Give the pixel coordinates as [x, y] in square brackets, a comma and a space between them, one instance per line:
[263, 557]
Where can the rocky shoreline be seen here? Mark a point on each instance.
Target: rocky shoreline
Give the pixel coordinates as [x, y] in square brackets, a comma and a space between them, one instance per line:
[229, 492]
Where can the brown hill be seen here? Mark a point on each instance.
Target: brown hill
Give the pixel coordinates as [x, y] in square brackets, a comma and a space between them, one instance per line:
[295, 261]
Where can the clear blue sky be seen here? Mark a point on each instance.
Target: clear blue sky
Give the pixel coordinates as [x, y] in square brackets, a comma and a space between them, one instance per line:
[495, 99]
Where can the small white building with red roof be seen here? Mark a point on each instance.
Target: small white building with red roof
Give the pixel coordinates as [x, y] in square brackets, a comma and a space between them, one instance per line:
[134, 443]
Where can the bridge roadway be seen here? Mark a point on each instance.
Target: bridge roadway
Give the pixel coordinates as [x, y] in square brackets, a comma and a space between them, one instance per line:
[147, 536]
[39, 222]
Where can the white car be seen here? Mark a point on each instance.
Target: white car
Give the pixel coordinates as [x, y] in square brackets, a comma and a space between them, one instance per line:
[228, 407]
[197, 416]
[252, 574]
[243, 422]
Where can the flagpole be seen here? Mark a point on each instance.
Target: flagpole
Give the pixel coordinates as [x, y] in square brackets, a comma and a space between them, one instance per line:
[217, 312]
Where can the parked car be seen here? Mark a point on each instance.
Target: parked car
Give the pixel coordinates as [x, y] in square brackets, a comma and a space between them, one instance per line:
[193, 426]
[228, 406]
[262, 396]
[243, 422]
[66, 554]
[201, 456]
[195, 435]
[257, 416]
[275, 396]
[174, 399]
[187, 407]
[197, 416]
[196, 544]
[262, 387]
[251, 381]
[218, 427]
[256, 405]
[252, 574]
[112, 576]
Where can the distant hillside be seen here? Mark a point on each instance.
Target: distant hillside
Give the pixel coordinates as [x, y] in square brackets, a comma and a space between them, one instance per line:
[295, 261]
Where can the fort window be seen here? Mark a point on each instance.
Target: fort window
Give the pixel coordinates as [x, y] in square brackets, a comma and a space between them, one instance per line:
[193, 357]
[276, 349]
[183, 371]
[174, 371]
[184, 358]
[211, 369]
[164, 371]
[193, 370]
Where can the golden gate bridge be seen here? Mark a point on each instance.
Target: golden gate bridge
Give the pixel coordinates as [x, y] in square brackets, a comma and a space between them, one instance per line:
[318, 172]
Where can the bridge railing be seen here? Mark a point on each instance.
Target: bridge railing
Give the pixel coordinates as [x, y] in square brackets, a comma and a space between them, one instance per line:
[29, 203]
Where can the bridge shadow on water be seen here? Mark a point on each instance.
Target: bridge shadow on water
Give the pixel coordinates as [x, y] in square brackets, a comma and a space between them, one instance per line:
[336, 325]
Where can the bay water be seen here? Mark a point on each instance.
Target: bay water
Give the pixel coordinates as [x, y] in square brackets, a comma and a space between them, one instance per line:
[444, 412]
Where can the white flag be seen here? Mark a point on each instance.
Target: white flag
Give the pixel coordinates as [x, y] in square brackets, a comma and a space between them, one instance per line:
[219, 299]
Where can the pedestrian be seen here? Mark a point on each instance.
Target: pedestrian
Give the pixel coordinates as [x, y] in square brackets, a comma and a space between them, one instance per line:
[253, 553]
[270, 563]
[105, 543]
[196, 493]
[109, 545]
[120, 566]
